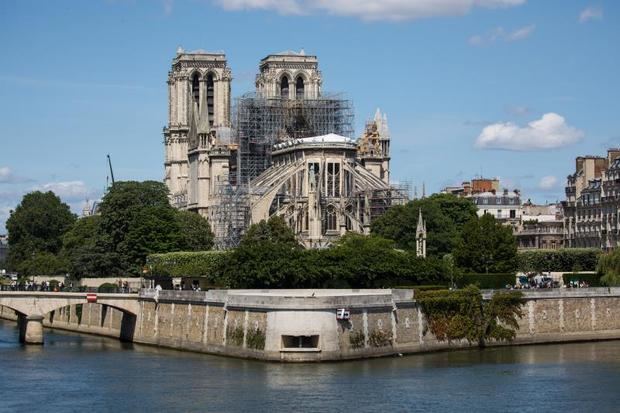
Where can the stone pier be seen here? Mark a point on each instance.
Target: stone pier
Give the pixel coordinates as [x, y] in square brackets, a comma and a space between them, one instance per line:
[31, 329]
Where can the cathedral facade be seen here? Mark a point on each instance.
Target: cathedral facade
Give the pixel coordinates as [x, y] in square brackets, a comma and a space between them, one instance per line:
[289, 150]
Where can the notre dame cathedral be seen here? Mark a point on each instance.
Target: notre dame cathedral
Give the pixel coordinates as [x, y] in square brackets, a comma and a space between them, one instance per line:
[286, 149]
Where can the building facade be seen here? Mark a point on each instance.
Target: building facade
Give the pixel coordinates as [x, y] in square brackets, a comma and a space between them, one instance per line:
[503, 205]
[591, 209]
[288, 150]
[540, 227]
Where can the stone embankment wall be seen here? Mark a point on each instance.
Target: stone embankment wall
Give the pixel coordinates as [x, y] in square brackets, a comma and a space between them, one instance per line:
[301, 325]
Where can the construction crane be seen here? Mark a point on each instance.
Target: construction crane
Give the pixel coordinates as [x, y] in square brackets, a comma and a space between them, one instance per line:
[111, 171]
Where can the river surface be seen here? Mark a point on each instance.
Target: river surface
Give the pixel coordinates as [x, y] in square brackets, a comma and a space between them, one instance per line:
[73, 372]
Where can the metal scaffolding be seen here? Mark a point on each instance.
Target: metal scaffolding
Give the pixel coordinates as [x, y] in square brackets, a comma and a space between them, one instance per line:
[379, 200]
[261, 122]
[231, 214]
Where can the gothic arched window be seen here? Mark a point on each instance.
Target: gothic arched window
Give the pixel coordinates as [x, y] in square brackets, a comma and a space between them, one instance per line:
[196, 88]
[329, 220]
[210, 98]
[284, 87]
[299, 88]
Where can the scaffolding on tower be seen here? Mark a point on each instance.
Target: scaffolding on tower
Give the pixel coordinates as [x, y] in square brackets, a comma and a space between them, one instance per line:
[261, 122]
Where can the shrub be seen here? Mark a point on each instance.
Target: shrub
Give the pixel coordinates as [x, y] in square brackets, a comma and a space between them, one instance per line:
[565, 259]
[234, 336]
[593, 280]
[357, 339]
[380, 338]
[255, 339]
[107, 288]
[464, 315]
[486, 281]
[609, 267]
[194, 264]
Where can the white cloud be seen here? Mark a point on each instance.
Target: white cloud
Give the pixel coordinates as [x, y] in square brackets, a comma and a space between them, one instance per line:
[548, 182]
[499, 34]
[68, 191]
[520, 34]
[370, 9]
[5, 174]
[8, 177]
[549, 132]
[590, 13]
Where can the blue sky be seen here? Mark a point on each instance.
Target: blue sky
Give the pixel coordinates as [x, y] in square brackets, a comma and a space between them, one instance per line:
[508, 88]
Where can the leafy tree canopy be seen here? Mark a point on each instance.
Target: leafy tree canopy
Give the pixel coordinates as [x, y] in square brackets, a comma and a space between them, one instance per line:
[195, 232]
[486, 246]
[43, 263]
[86, 249]
[273, 230]
[124, 201]
[135, 220]
[37, 225]
[267, 257]
[609, 268]
[445, 216]
[152, 229]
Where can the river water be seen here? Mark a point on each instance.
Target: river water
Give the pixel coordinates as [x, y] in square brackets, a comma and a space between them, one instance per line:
[73, 372]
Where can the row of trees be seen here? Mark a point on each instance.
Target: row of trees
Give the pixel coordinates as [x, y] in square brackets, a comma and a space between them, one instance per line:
[269, 256]
[476, 244]
[135, 220]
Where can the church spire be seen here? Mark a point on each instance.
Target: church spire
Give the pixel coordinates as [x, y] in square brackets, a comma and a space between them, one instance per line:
[420, 236]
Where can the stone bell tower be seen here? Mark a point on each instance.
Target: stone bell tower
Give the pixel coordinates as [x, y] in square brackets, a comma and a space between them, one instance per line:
[289, 75]
[197, 78]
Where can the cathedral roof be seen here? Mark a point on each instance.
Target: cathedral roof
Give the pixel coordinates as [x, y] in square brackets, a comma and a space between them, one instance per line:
[322, 139]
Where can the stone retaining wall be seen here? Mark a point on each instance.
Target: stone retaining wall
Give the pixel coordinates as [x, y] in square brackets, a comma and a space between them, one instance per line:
[301, 325]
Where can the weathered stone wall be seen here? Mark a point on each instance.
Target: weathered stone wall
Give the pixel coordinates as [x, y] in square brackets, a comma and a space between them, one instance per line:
[255, 324]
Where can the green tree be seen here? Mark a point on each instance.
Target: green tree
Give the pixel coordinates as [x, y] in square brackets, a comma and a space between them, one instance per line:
[124, 201]
[364, 261]
[609, 268]
[152, 229]
[486, 246]
[85, 248]
[445, 216]
[273, 230]
[360, 261]
[36, 226]
[135, 220]
[43, 263]
[195, 232]
[267, 257]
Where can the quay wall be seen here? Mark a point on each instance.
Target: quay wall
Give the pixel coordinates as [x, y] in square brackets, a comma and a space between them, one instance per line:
[301, 325]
